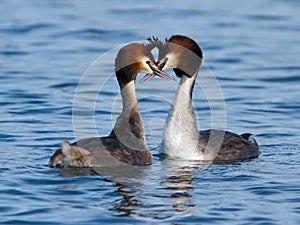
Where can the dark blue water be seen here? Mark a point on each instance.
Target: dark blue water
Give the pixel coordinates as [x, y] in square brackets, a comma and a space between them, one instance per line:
[252, 49]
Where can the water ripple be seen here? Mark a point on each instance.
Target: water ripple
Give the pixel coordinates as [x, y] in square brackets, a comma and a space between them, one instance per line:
[28, 28]
[251, 48]
[284, 79]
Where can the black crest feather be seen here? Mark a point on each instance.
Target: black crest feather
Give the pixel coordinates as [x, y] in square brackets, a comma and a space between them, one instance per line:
[155, 42]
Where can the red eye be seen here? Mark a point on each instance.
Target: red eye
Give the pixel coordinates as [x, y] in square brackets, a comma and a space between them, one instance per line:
[148, 62]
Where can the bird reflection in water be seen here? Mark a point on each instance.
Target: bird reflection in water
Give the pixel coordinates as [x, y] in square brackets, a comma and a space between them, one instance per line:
[150, 191]
[179, 181]
[151, 198]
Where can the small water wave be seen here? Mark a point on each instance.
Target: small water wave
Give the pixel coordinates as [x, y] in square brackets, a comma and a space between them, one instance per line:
[29, 28]
[283, 79]
[94, 34]
[46, 47]
[266, 17]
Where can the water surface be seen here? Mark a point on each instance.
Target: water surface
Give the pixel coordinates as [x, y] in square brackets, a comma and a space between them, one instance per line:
[252, 49]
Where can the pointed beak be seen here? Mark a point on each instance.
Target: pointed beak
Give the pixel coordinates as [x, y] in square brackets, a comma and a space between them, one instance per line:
[157, 71]
[162, 65]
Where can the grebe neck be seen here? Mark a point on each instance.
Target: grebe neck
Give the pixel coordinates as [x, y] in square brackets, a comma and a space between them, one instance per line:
[181, 135]
[182, 104]
[128, 97]
[184, 93]
[129, 126]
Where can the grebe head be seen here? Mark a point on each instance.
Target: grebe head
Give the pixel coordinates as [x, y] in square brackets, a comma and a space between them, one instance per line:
[180, 53]
[133, 59]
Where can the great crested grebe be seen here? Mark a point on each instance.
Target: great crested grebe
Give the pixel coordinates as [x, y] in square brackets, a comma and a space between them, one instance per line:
[126, 144]
[181, 138]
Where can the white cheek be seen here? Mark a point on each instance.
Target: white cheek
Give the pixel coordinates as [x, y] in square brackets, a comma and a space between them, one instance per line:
[146, 66]
[171, 63]
[145, 59]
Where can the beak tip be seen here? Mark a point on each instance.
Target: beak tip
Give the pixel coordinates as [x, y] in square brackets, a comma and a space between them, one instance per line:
[156, 71]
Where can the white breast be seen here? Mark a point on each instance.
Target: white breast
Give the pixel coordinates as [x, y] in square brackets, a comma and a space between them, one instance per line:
[181, 135]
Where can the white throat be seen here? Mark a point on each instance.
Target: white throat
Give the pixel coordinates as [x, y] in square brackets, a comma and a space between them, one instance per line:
[129, 127]
[181, 134]
[128, 97]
